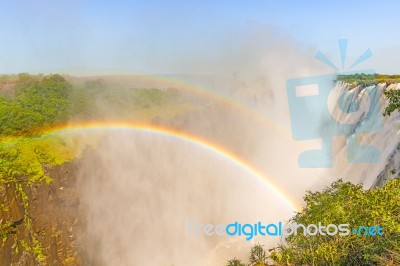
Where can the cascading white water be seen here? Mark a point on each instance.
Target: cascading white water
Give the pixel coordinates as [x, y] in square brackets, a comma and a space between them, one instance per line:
[359, 105]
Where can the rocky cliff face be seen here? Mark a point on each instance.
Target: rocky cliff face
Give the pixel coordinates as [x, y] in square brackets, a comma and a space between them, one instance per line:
[47, 230]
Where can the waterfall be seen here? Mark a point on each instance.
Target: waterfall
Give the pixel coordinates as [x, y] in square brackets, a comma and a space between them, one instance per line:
[360, 109]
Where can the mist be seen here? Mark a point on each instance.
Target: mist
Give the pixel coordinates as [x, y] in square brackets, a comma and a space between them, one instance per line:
[140, 191]
[168, 116]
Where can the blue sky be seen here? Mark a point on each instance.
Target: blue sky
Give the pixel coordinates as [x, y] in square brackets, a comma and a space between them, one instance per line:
[167, 37]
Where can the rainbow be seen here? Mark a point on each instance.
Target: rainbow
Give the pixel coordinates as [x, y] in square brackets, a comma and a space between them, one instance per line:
[181, 136]
[201, 92]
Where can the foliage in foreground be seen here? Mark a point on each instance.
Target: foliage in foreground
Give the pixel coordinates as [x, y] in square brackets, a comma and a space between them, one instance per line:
[390, 258]
[343, 203]
[234, 262]
[257, 257]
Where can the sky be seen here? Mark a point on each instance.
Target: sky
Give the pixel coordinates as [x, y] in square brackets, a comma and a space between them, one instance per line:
[175, 37]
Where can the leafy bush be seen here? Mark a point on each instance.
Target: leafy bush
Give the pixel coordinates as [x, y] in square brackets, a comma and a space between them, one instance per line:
[394, 101]
[234, 262]
[345, 203]
[258, 256]
[43, 103]
[340, 203]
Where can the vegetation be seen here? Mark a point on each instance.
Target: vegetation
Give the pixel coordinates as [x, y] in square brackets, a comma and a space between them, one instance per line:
[257, 257]
[235, 262]
[38, 103]
[347, 203]
[343, 202]
[368, 79]
[43, 103]
[390, 258]
[362, 79]
[394, 101]
[98, 100]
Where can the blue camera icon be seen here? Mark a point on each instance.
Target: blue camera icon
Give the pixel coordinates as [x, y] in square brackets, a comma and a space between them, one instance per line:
[321, 109]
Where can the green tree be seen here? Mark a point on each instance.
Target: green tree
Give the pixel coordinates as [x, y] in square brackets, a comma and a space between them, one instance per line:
[38, 104]
[345, 203]
[394, 101]
[234, 262]
[24, 81]
[258, 256]
[49, 98]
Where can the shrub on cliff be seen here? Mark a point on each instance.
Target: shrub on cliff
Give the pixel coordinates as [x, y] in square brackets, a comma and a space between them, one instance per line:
[345, 203]
[342, 203]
